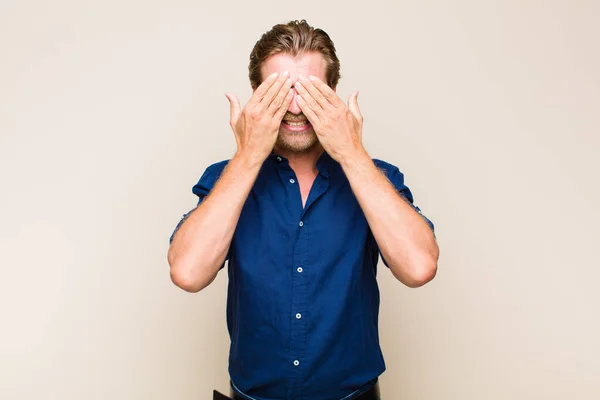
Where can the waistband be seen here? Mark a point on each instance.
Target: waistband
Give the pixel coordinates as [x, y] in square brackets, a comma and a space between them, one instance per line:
[369, 391]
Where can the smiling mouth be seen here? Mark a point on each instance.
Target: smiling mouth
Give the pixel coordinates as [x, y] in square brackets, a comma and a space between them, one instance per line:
[296, 126]
[296, 123]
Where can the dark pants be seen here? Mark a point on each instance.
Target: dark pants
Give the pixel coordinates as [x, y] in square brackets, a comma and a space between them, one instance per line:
[371, 394]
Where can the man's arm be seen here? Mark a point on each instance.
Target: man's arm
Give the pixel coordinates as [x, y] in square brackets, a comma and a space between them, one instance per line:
[201, 243]
[405, 240]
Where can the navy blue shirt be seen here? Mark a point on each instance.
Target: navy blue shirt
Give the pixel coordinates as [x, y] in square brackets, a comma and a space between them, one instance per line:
[303, 299]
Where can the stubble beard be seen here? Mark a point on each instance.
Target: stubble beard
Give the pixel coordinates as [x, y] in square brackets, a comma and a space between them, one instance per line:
[296, 142]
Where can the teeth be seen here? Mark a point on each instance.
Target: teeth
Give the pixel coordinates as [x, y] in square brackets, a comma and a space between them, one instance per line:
[290, 123]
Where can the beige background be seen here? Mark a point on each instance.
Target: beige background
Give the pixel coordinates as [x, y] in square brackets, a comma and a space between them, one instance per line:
[110, 111]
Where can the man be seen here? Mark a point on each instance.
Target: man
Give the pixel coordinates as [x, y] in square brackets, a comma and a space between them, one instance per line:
[302, 213]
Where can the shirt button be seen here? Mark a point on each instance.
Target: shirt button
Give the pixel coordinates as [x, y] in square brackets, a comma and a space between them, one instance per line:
[301, 223]
[300, 269]
[296, 363]
[292, 181]
[278, 158]
[298, 316]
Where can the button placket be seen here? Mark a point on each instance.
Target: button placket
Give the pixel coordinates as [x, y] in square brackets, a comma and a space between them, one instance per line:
[299, 300]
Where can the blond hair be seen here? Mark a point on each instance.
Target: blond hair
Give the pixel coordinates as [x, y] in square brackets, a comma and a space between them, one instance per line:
[294, 38]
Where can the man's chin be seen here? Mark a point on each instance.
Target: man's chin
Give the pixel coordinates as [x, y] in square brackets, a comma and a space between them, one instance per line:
[296, 142]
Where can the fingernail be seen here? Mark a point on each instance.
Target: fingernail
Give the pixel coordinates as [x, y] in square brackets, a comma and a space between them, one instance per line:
[312, 78]
[285, 73]
[274, 74]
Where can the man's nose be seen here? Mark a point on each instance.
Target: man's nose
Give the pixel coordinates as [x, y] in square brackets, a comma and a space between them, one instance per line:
[294, 108]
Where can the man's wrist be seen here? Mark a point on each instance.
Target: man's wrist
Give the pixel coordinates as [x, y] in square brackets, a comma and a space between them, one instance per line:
[248, 160]
[355, 158]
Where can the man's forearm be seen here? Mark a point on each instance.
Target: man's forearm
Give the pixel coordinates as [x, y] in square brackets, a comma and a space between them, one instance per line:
[404, 238]
[200, 246]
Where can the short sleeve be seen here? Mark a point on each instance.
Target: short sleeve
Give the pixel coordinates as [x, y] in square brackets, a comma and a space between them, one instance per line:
[201, 189]
[397, 179]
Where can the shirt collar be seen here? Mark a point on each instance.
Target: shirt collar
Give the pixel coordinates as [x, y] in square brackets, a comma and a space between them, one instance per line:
[323, 163]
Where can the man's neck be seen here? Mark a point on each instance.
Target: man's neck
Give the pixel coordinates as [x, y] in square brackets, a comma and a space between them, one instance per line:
[304, 163]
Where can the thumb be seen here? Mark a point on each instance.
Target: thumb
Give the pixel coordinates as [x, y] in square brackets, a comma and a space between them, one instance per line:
[353, 105]
[234, 106]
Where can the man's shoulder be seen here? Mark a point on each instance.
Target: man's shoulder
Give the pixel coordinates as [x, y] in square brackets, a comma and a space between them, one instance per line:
[385, 166]
[217, 167]
[209, 178]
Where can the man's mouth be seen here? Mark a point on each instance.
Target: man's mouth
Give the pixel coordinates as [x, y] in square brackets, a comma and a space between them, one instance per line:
[296, 126]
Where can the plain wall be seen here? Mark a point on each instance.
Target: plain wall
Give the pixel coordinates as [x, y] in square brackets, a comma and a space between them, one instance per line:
[110, 111]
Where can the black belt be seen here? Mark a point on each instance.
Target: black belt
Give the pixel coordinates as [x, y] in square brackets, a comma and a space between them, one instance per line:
[371, 394]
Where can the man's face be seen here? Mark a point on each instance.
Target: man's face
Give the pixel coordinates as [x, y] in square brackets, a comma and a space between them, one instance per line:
[295, 133]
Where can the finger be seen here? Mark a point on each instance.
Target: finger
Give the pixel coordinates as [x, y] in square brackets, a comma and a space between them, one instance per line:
[284, 105]
[307, 98]
[353, 106]
[326, 91]
[314, 92]
[264, 87]
[308, 111]
[234, 107]
[280, 98]
[274, 89]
